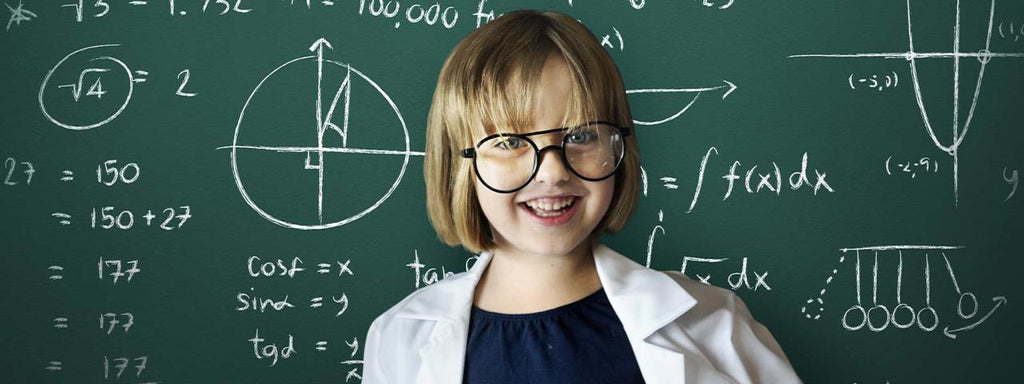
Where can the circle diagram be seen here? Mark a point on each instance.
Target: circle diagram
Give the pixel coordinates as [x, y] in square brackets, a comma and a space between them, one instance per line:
[318, 144]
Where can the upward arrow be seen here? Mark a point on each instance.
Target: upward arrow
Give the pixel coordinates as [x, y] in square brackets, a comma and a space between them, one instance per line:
[319, 43]
[318, 47]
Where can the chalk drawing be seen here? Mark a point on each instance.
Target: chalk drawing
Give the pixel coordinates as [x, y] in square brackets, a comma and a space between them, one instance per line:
[912, 56]
[334, 120]
[728, 86]
[18, 15]
[878, 316]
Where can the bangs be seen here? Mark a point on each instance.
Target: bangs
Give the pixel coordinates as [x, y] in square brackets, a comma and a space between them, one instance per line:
[505, 97]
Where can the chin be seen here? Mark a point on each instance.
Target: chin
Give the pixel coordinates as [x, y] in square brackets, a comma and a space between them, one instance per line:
[554, 248]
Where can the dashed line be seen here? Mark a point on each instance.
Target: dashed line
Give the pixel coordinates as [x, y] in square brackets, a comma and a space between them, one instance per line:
[821, 294]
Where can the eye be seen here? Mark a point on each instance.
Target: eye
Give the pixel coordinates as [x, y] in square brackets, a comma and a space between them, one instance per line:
[580, 137]
[508, 142]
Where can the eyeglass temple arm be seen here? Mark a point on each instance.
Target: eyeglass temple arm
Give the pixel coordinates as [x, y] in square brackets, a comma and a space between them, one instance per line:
[624, 131]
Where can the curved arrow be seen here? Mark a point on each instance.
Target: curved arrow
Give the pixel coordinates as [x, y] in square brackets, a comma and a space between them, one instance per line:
[697, 91]
[1000, 300]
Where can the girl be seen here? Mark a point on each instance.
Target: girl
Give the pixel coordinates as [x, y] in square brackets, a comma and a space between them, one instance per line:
[530, 159]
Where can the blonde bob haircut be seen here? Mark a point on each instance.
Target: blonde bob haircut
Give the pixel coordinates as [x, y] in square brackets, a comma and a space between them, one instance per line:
[488, 84]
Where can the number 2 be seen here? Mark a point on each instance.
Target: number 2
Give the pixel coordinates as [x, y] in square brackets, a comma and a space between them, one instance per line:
[181, 88]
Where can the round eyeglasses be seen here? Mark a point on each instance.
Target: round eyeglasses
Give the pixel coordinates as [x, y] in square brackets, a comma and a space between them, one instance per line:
[506, 162]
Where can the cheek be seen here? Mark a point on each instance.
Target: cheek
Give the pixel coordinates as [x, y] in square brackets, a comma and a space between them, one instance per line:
[496, 207]
[603, 193]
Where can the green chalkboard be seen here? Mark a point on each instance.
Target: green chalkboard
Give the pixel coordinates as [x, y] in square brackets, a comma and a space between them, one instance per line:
[168, 215]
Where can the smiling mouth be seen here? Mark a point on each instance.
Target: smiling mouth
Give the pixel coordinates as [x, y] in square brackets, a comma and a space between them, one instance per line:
[550, 209]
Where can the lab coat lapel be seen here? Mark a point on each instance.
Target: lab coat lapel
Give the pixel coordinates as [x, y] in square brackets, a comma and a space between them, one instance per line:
[443, 357]
[646, 301]
[448, 304]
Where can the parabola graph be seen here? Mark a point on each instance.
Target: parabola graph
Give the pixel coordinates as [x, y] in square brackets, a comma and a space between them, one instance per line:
[911, 56]
[316, 158]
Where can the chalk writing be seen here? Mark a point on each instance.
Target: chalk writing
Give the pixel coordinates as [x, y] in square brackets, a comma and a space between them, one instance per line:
[109, 173]
[429, 14]
[260, 268]
[740, 279]
[24, 168]
[1013, 179]
[101, 8]
[735, 280]
[110, 321]
[57, 272]
[354, 372]
[95, 75]
[108, 217]
[912, 167]
[887, 81]
[431, 275]
[769, 181]
[606, 40]
[263, 348]
[483, 17]
[184, 76]
[113, 368]
[650, 240]
[720, 4]
[270, 350]
[252, 302]
[116, 269]
[1011, 31]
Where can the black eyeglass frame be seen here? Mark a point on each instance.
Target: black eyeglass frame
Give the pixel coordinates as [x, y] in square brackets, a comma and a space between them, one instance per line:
[470, 153]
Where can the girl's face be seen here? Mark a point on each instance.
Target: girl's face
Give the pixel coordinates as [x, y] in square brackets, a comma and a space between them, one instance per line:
[516, 223]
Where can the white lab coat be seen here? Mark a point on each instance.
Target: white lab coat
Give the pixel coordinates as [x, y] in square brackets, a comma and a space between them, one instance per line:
[681, 331]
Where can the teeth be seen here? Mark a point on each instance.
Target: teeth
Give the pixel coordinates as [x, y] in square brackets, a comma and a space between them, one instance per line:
[547, 204]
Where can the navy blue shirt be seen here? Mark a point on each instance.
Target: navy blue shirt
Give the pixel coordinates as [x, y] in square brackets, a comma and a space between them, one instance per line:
[580, 342]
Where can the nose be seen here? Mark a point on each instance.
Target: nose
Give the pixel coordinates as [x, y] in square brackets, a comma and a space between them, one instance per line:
[551, 169]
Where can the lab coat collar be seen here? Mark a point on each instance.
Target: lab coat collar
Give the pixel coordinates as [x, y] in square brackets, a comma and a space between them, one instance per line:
[645, 300]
